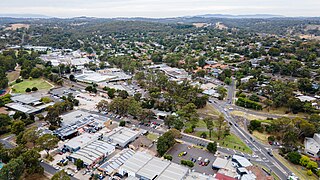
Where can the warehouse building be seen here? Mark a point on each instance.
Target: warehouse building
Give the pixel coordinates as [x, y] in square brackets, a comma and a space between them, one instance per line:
[115, 162]
[93, 153]
[121, 136]
[144, 166]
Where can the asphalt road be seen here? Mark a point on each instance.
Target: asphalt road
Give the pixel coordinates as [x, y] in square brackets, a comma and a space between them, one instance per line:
[259, 149]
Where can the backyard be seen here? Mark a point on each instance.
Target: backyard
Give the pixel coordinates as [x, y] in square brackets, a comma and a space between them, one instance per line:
[41, 84]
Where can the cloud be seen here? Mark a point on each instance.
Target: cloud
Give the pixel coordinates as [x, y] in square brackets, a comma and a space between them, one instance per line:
[159, 8]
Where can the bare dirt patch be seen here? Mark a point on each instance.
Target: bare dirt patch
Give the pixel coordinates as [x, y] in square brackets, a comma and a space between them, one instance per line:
[14, 27]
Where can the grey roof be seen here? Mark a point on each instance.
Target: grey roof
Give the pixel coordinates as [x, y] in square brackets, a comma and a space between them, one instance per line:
[153, 168]
[173, 172]
[137, 161]
[25, 98]
[116, 161]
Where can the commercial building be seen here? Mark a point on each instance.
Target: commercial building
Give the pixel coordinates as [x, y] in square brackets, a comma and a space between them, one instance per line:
[312, 145]
[242, 161]
[27, 103]
[144, 166]
[113, 164]
[225, 167]
[93, 153]
[78, 142]
[121, 136]
[79, 121]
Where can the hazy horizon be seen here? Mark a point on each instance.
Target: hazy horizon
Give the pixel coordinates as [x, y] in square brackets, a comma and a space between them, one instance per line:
[159, 8]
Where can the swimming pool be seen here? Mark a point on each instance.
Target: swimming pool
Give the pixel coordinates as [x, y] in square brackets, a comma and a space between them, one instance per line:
[1, 165]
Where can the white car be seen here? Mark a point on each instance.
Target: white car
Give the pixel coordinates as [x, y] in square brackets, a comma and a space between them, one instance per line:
[199, 158]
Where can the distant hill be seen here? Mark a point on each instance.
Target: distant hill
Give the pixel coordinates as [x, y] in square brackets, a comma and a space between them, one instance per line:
[239, 16]
[25, 16]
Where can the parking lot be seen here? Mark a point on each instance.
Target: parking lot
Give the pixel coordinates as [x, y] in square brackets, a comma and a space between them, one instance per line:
[194, 153]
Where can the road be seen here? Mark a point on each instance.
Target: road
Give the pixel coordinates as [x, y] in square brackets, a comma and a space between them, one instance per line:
[259, 149]
[6, 142]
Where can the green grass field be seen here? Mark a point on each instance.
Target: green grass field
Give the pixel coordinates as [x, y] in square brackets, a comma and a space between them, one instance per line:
[41, 84]
[231, 141]
[152, 136]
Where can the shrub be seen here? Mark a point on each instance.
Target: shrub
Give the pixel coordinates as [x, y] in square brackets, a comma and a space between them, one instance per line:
[34, 89]
[19, 80]
[187, 163]
[203, 135]
[28, 90]
[309, 172]
[304, 161]
[294, 157]
[168, 157]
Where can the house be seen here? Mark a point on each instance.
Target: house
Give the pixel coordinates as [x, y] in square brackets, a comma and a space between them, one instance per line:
[312, 145]
[246, 79]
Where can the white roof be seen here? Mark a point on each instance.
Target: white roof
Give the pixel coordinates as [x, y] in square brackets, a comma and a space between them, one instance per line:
[153, 168]
[136, 162]
[81, 141]
[243, 162]
[306, 98]
[311, 145]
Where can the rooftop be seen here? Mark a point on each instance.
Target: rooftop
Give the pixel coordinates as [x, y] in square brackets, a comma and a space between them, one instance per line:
[81, 141]
[25, 98]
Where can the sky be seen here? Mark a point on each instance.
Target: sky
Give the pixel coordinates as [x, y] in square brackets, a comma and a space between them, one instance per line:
[158, 8]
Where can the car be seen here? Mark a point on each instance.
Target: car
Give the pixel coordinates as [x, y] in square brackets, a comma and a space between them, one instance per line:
[84, 172]
[183, 153]
[199, 158]
[270, 153]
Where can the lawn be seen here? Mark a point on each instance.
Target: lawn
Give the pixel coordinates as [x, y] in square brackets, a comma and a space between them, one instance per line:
[41, 84]
[231, 141]
[152, 136]
[246, 115]
[13, 75]
[299, 171]
[209, 110]
[200, 124]
[261, 136]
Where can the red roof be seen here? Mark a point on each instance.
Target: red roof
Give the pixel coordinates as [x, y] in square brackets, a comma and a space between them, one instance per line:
[223, 177]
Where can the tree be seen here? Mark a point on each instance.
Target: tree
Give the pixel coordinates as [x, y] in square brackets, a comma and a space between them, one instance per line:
[221, 126]
[212, 147]
[17, 127]
[122, 123]
[29, 137]
[72, 78]
[47, 142]
[227, 80]
[209, 124]
[13, 170]
[168, 157]
[89, 88]
[102, 105]
[294, 157]
[34, 89]
[28, 90]
[165, 142]
[79, 163]
[123, 93]
[31, 161]
[222, 91]
[61, 175]
[309, 172]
